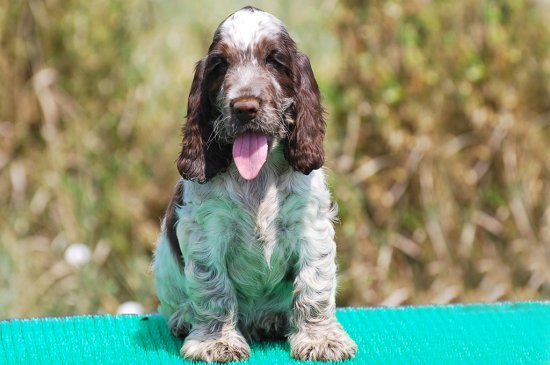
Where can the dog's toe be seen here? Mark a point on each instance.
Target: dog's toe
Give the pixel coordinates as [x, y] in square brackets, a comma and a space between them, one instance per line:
[331, 345]
[228, 348]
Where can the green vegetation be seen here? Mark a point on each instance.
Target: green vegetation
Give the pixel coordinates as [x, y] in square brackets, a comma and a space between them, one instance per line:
[439, 127]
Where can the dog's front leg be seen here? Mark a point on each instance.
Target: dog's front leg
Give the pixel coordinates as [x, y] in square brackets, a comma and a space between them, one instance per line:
[214, 335]
[316, 334]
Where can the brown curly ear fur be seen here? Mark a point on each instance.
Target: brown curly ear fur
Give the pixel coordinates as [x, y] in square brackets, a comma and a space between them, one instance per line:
[304, 150]
[201, 158]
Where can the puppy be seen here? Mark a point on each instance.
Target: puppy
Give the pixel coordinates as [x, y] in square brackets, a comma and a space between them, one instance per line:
[247, 250]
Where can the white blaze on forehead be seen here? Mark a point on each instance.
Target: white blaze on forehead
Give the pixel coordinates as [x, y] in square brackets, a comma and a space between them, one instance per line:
[246, 27]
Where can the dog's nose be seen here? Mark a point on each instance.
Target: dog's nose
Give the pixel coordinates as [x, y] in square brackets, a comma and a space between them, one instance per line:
[245, 109]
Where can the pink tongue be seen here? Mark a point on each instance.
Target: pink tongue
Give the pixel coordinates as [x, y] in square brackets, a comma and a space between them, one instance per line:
[250, 153]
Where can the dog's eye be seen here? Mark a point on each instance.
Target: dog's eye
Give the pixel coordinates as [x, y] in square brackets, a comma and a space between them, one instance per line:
[219, 64]
[274, 59]
[222, 64]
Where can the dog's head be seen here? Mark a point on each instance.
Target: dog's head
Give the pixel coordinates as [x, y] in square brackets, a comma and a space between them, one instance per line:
[252, 90]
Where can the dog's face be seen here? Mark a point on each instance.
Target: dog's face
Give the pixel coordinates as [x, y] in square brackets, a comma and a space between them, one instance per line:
[251, 76]
[252, 90]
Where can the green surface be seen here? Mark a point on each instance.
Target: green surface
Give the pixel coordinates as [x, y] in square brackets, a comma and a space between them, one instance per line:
[505, 333]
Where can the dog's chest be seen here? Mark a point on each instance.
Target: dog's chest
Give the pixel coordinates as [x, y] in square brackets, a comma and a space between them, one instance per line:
[262, 252]
[255, 227]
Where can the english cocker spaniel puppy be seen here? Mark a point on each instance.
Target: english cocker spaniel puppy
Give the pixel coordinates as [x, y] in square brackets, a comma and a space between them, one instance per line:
[247, 246]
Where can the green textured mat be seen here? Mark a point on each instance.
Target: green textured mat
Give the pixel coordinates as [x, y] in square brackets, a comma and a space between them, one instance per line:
[504, 333]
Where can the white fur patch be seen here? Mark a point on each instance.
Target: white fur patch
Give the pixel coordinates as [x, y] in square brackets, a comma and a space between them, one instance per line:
[248, 26]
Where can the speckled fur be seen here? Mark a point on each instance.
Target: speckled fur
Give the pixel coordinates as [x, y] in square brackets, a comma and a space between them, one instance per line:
[258, 254]
[257, 257]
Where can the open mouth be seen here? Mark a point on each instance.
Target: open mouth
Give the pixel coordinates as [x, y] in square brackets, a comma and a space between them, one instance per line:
[250, 153]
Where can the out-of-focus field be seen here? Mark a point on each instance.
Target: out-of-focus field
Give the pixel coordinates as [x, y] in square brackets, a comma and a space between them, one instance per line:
[438, 145]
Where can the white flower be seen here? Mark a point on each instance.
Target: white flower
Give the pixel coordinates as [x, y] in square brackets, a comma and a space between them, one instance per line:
[130, 308]
[78, 254]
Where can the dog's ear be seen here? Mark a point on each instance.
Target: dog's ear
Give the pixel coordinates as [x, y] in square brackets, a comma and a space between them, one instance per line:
[201, 156]
[304, 150]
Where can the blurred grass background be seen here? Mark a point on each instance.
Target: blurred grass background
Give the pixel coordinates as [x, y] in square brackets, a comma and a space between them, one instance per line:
[438, 145]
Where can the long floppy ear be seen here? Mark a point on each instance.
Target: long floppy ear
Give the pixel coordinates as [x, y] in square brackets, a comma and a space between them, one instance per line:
[201, 157]
[304, 151]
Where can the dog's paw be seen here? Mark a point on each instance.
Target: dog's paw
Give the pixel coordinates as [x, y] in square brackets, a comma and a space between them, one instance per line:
[229, 347]
[320, 343]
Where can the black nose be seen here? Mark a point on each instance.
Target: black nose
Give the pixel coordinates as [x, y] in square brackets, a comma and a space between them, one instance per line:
[245, 109]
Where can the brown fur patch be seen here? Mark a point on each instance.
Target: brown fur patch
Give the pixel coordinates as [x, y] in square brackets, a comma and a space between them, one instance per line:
[304, 150]
[170, 220]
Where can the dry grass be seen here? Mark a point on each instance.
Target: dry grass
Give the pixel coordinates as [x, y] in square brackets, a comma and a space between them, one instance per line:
[444, 110]
[438, 145]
